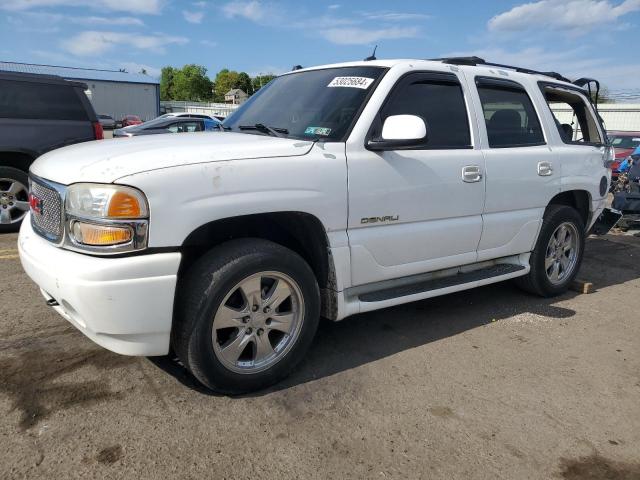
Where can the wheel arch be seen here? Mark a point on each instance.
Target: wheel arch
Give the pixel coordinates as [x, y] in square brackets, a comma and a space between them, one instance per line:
[299, 231]
[577, 199]
[20, 159]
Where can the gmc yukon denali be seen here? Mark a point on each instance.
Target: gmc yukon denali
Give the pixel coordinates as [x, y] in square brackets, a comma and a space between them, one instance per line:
[334, 190]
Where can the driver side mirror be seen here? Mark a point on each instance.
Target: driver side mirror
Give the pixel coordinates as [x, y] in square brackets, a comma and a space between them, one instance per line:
[400, 131]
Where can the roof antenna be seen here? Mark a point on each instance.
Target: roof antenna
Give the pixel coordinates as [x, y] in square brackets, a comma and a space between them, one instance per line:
[372, 56]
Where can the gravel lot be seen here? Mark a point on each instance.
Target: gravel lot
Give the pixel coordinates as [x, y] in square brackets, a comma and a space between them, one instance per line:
[490, 383]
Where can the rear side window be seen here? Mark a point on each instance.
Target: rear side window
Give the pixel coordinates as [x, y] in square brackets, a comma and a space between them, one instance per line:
[33, 100]
[509, 115]
[439, 100]
[573, 118]
[185, 127]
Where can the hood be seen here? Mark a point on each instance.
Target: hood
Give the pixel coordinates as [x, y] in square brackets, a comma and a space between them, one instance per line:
[105, 161]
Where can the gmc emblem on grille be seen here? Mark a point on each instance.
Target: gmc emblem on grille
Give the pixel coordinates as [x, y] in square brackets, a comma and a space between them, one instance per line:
[35, 203]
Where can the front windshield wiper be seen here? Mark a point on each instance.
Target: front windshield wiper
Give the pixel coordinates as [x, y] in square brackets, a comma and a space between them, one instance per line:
[275, 131]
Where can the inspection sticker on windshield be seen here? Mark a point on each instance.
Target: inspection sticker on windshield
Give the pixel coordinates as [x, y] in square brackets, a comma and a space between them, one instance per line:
[322, 131]
[351, 82]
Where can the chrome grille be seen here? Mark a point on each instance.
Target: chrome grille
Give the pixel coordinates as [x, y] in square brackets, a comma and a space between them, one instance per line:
[46, 210]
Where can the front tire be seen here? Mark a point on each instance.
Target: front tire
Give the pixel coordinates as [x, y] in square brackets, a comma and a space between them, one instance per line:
[247, 313]
[14, 198]
[557, 256]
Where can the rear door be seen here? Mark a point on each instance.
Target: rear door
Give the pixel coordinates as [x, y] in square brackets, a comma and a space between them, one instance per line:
[413, 210]
[522, 172]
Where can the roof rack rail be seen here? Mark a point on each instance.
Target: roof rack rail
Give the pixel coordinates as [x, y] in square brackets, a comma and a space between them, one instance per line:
[473, 61]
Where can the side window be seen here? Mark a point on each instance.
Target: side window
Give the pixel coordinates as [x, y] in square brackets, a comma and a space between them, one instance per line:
[35, 100]
[439, 100]
[193, 127]
[572, 116]
[509, 115]
[185, 127]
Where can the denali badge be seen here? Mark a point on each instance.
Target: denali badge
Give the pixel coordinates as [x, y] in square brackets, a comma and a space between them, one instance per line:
[386, 218]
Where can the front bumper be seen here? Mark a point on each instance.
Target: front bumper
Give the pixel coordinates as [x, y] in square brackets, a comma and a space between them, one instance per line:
[123, 304]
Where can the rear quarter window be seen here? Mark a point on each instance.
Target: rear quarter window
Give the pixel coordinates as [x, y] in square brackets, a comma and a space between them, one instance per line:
[33, 100]
[573, 117]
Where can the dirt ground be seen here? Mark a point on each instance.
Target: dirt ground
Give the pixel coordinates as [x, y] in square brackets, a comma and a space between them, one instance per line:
[490, 383]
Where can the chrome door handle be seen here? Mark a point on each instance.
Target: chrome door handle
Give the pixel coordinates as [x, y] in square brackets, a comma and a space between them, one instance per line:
[471, 174]
[545, 169]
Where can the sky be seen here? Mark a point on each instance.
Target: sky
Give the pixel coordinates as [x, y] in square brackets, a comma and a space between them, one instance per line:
[596, 38]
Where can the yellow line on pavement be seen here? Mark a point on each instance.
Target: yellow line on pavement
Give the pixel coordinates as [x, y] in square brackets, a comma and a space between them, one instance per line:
[8, 256]
[8, 250]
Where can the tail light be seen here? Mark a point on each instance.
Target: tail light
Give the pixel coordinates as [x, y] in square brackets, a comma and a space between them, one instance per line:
[98, 133]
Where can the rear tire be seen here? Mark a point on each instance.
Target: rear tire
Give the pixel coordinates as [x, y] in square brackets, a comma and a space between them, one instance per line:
[14, 198]
[247, 313]
[557, 256]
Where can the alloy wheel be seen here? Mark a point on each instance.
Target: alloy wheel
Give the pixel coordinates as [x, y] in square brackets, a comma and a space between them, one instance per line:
[14, 201]
[561, 255]
[258, 322]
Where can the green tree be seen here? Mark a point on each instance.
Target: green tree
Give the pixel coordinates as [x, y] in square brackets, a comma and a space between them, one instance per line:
[244, 83]
[191, 83]
[260, 81]
[225, 80]
[166, 83]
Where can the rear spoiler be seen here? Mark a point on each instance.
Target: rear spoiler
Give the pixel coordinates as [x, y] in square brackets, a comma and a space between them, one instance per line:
[581, 82]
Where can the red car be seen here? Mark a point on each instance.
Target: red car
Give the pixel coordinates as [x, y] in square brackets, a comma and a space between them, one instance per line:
[624, 143]
[129, 120]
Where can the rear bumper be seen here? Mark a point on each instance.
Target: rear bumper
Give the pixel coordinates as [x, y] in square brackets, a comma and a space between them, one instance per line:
[122, 304]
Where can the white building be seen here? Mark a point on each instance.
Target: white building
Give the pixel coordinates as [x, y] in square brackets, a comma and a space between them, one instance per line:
[616, 116]
[111, 92]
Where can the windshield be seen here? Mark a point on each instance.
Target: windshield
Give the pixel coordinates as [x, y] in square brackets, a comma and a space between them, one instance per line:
[311, 105]
[624, 141]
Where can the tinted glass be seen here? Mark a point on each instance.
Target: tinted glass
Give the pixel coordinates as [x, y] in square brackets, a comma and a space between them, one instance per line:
[510, 117]
[158, 122]
[310, 105]
[32, 100]
[185, 127]
[440, 104]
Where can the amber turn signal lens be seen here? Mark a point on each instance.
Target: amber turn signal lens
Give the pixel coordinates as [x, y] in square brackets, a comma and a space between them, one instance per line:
[100, 235]
[124, 205]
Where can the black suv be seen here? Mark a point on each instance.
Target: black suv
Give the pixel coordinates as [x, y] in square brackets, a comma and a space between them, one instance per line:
[38, 113]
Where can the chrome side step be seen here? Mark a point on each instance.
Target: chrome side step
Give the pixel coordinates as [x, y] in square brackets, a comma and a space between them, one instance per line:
[461, 278]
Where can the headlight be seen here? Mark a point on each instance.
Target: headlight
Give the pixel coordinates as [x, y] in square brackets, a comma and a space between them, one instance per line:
[106, 218]
[105, 201]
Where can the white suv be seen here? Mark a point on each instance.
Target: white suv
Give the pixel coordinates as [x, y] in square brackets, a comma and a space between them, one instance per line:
[334, 190]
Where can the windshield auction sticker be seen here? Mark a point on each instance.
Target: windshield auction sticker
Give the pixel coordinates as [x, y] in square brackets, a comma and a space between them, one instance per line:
[351, 82]
[322, 131]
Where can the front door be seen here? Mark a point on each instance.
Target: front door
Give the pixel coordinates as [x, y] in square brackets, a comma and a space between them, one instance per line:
[417, 210]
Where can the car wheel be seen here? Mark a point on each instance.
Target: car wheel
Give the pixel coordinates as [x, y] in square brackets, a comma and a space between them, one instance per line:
[247, 313]
[557, 256]
[14, 198]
